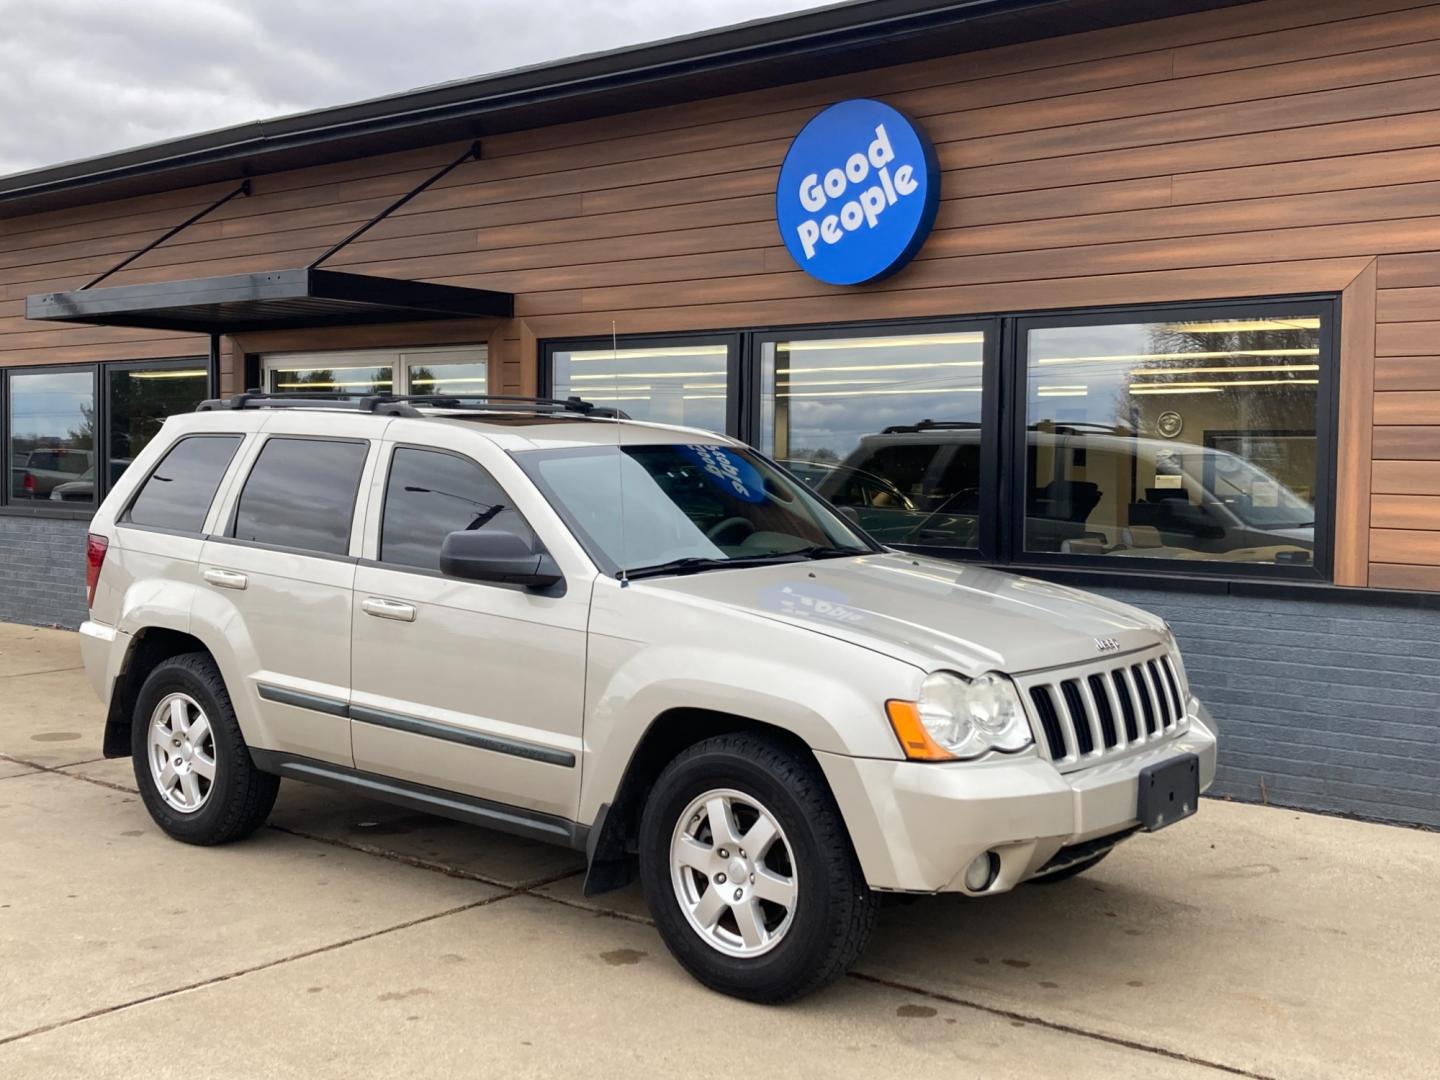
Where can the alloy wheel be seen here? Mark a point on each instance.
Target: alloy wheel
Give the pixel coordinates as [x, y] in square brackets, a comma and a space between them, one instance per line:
[734, 873]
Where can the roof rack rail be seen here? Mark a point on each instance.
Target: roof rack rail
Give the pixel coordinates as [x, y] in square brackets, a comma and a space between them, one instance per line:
[296, 399]
[404, 404]
[931, 425]
[510, 403]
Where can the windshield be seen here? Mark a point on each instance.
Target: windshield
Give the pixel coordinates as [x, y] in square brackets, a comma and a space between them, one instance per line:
[700, 506]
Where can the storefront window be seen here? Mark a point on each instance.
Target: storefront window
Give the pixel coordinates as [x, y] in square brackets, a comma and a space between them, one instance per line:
[332, 375]
[441, 378]
[683, 383]
[139, 402]
[1186, 439]
[446, 370]
[52, 436]
[888, 427]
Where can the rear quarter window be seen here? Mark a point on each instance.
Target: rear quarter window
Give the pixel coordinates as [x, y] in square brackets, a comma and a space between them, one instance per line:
[177, 495]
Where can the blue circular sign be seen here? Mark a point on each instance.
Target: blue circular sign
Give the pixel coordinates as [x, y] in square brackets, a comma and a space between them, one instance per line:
[858, 193]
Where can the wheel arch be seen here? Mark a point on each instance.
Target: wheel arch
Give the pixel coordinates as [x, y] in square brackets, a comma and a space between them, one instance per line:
[611, 850]
[150, 646]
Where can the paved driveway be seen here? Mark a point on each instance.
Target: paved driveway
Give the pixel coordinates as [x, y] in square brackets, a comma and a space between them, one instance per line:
[351, 939]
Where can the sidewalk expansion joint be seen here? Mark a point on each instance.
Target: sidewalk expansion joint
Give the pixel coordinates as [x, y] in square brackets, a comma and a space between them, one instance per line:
[1063, 1028]
[59, 770]
[267, 965]
[420, 863]
[45, 671]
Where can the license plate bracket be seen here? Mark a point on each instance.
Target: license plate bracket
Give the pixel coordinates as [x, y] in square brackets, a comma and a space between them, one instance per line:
[1169, 792]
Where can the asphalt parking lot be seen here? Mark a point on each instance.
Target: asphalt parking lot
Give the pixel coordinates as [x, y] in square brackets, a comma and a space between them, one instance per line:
[349, 938]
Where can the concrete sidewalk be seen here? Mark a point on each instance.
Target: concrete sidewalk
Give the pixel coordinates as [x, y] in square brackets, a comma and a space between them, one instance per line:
[353, 939]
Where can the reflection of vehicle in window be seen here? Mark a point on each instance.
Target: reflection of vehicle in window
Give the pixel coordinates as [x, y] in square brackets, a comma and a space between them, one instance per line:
[1106, 494]
[82, 489]
[43, 470]
[1089, 493]
[914, 484]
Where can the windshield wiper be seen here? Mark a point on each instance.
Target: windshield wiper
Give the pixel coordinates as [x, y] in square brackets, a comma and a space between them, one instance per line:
[829, 551]
[694, 564]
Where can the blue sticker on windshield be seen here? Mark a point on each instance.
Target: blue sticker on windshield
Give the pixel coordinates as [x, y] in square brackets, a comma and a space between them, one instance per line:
[729, 471]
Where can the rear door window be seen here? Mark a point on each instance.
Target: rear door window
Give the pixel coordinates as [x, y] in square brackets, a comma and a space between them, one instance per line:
[301, 494]
[177, 495]
[431, 494]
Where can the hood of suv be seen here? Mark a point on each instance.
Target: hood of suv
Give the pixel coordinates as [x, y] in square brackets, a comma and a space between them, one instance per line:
[930, 612]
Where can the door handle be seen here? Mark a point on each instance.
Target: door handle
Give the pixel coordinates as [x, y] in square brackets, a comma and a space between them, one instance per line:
[226, 579]
[388, 609]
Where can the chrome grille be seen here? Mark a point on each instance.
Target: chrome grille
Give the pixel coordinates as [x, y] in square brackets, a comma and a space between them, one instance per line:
[1100, 710]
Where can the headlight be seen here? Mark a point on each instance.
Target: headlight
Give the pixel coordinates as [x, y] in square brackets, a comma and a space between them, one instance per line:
[958, 718]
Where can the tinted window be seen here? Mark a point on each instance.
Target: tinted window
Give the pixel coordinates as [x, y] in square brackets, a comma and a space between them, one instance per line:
[301, 494]
[177, 495]
[430, 495]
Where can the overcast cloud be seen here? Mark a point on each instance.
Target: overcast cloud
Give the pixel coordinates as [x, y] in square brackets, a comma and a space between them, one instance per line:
[82, 77]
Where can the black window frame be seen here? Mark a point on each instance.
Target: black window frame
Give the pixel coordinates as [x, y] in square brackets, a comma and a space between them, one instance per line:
[1327, 419]
[735, 362]
[100, 375]
[990, 385]
[389, 466]
[1003, 419]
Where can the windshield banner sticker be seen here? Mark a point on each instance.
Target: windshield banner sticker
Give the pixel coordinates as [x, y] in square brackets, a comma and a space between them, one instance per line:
[729, 471]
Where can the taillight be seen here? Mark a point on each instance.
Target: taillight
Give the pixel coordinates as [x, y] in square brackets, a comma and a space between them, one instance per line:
[95, 548]
[29, 486]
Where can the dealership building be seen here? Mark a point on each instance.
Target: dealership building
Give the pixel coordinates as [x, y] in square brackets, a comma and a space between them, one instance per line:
[1141, 297]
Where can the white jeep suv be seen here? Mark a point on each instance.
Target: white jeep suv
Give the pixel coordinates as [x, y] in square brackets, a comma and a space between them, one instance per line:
[648, 643]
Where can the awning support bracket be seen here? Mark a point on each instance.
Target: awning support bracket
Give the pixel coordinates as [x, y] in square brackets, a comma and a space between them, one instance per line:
[472, 153]
[243, 189]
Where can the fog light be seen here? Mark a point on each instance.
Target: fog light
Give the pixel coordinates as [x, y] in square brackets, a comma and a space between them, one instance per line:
[980, 874]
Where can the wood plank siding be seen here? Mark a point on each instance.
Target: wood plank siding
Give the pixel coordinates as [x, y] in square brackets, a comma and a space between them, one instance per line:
[1287, 146]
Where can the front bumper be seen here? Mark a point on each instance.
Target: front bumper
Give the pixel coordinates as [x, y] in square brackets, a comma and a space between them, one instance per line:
[916, 826]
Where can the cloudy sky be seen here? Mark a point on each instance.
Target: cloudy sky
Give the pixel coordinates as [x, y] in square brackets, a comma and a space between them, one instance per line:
[80, 77]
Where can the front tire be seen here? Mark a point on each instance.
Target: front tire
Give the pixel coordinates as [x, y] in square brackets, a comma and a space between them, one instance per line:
[192, 765]
[749, 871]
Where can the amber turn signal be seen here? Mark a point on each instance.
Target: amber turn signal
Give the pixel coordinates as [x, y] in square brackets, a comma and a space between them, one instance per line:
[910, 730]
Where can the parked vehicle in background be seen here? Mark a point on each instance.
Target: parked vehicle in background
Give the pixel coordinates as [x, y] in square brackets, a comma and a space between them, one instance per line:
[1103, 494]
[647, 642]
[41, 471]
[83, 488]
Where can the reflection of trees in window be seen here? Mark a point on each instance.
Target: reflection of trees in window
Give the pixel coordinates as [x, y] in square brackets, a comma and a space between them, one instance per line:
[82, 437]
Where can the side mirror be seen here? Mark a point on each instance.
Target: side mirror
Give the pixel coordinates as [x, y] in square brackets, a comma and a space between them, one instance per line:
[504, 558]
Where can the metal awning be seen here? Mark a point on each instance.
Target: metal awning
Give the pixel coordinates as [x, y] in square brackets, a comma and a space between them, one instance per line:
[273, 300]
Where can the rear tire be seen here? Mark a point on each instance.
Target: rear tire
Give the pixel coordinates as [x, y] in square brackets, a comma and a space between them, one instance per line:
[793, 913]
[191, 763]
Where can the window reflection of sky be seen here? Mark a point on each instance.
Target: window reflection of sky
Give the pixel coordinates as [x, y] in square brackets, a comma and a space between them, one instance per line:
[685, 384]
[827, 395]
[52, 405]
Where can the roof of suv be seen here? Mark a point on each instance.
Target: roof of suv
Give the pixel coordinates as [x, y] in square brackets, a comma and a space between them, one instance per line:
[509, 429]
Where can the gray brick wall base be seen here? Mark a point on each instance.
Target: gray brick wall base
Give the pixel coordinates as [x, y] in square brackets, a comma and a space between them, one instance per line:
[1322, 705]
[42, 571]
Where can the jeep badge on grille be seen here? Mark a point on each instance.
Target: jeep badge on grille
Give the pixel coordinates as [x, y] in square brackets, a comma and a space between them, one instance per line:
[1106, 644]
